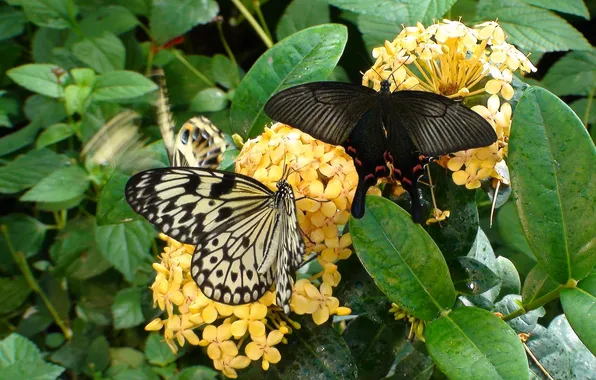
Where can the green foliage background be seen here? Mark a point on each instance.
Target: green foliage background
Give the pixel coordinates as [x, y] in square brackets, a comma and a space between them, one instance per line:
[75, 261]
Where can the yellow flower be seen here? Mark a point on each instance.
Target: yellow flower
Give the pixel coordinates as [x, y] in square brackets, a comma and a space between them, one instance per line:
[416, 325]
[438, 216]
[262, 346]
[471, 176]
[229, 364]
[249, 318]
[307, 299]
[217, 341]
[180, 328]
[209, 309]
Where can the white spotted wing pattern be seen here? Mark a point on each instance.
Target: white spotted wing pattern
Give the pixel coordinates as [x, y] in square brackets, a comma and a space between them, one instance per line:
[246, 235]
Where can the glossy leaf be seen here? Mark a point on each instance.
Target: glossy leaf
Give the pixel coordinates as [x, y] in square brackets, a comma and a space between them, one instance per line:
[61, 185]
[196, 372]
[483, 252]
[510, 281]
[574, 74]
[511, 230]
[157, 351]
[225, 72]
[551, 352]
[49, 13]
[552, 160]
[43, 110]
[414, 11]
[53, 134]
[126, 309]
[306, 56]
[470, 276]
[120, 85]
[524, 323]
[585, 110]
[456, 234]
[301, 14]
[126, 246]
[21, 359]
[209, 100]
[538, 284]
[28, 169]
[103, 53]
[579, 305]
[471, 341]
[412, 362]
[114, 19]
[170, 19]
[375, 29]
[574, 7]
[402, 259]
[583, 361]
[38, 77]
[112, 207]
[532, 28]
[12, 22]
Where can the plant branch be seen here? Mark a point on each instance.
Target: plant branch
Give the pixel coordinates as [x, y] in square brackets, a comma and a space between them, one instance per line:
[255, 25]
[224, 42]
[192, 68]
[21, 261]
[534, 304]
[257, 5]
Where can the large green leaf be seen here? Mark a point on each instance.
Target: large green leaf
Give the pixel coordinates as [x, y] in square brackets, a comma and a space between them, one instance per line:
[21, 359]
[408, 11]
[26, 236]
[524, 323]
[583, 361]
[532, 28]
[510, 281]
[103, 53]
[375, 30]
[456, 235]
[306, 56]
[301, 14]
[157, 351]
[511, 230]
[585, 109]
[38, 77]
[538, 284]
[402, 259]
[471, 342]
[574, 7]
[28, 169]
[15, 291]
[470, 276]
[170, 19]
[483, 252]
[50, 13]
[183, 83]
[61, 185]
[112, 207]
[580, 308]
[126, 246]
[121, 85]
[574, 74]
[126, 309]
[12, 22]
[114, 19]
[552, 162]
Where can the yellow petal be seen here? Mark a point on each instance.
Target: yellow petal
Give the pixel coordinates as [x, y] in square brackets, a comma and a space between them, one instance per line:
[240, 362]
[328, 209]
[493, 86]
[209, 313]
[253, 351]
[320, 316]
[274, 338]
[239, 328]
[213, 351]
[191, 337]
[455, 163]
[343, 311]
[154, 325]
[272, 355]
[316, 189]
[507, 91]
[256, 329]
[242, 311]
[210, 333]
[460, 177]
[224, 332]
[228, 348]
[258, 311]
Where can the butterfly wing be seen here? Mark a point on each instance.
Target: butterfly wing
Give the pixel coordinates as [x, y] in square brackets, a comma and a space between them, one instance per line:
[327, 111]
[438, 125]
[165, 119]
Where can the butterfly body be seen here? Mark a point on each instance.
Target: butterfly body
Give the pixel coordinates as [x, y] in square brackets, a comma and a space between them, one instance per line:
[388, 134]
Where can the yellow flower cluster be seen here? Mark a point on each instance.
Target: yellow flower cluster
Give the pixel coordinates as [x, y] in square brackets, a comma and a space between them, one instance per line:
[450, 59]
[416, 325]
[236, 335]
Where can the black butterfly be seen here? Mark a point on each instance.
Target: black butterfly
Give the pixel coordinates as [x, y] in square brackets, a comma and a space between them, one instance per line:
[387, 133]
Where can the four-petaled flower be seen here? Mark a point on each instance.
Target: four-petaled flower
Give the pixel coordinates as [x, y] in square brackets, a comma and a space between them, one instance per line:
[262, 346]
[217, 341]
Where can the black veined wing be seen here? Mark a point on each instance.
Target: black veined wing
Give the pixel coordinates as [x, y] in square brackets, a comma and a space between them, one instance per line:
[198, 143]
[246, 235]
[412, 126]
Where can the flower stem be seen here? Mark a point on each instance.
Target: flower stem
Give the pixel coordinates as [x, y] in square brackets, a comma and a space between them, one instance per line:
[253, 23]
[192, 68]
[21, 261]
[534, 304]
[257, 5]
[224, 42]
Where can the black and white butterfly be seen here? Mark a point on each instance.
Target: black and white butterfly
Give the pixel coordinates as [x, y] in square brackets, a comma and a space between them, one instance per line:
[387, 133]
[246, 236]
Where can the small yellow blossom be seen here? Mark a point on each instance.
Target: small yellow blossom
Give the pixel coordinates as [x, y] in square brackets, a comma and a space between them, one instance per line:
[307, 299]
[229, 364]
[416, 325]
[217, 341]
[262, 346]
[438, 216]
[250, 317]
[472, 176]
[209, 309]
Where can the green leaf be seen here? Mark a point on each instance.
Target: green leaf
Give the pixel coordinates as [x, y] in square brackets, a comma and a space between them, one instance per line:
[12, 22]
[75, 98]
[20, 359]
[54, 340]
[75, 253]
[57, 295]
[375, 345]
[15, 292]
[142, 373]
[408, 11]
[98, 357]
[84, 77]
[104, 53]
[306, 56]
[157, 351]
[225, 72]
[525, 323]
[574, 74]
[19, 139]
[579, 305]
[209, 100]
[583, 361]
[28, 169]
[171, 19]
[412, 362]
[301, 14]
[112, 207]
[483, 252]
[196, 372]
[126, 309]
[43, 110]
[38, 77]
[50, 13]
[471, 341]
[585, 109]
[511, 231]
[532, 28]
[375, 29]
[120, 85]
[538, 284]
[510, 281]
[456, 236]
[552, 160]
[552, 353]
[114, 19]
[183, 84]
[26, 235]
[53, 134]
[574, 7]
[61, 185]
[126, 246]
[402, 259]
[315, 352]
[128, 356]
[75, 353]
[470, 276]
[359, 292]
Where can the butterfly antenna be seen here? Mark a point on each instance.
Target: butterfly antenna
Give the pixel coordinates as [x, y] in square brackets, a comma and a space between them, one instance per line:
[309, 260]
